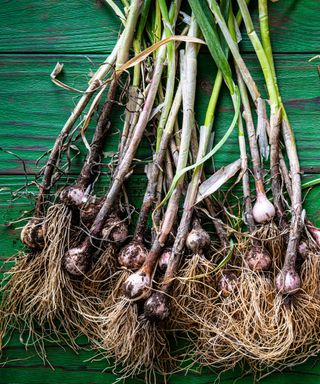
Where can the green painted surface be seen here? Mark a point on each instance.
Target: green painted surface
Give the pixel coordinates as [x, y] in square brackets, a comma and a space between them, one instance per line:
[34, 36]
[82, 26]
[35, 108]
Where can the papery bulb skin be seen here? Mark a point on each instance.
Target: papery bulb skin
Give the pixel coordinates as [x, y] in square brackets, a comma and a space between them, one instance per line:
[258, 259]
[73, 195]
[288, 282]
[88, 213]
[120, 233]
[115, 230]
[315, 232]
[156, 307]
[164, 259]
[137, 286]
[33, 234]
[303, 250]
[133, 255]
[76, 261]
[263, 210]
[228, 284]
[198, 241]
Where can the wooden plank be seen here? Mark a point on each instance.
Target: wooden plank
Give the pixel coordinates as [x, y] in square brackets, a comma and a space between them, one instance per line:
[35, 108]
[34, 111]
[90, 26]
[57, 26]
[70, 367]
[291, 21]
[73, 368]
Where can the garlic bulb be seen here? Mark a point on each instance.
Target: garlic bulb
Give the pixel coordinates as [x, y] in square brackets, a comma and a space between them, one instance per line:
[288, 282]
[263, 210]
[74, 195]
[115, 230]
[258, 259]
[198, 240]
[164, 259]
[156, 307]
[137, 285]
[133, 255]
[76, 261]
[33, 234]
[228, 284]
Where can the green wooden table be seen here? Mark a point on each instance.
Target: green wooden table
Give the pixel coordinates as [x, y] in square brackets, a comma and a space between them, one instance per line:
[35, 34]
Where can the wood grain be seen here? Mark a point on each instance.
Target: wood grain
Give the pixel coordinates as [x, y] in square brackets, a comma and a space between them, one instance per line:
[34, 109]
[293, 25]
[73, 368]
[82, 26]
[34, 35]
[57, 26]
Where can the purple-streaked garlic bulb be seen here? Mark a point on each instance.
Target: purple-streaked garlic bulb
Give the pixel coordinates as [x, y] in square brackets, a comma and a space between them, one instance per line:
[88, 213]
[164, 259]
[120, 233]
[263, 210]
[76, 261]
[115, 230]
[198, 240]
[228, 284]
[288, 282]
[258, 259]
[138, 285]
[33, 234]
[303, 250]
[314, 231]
[73, 195]
[156, 307]
[133, 255]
